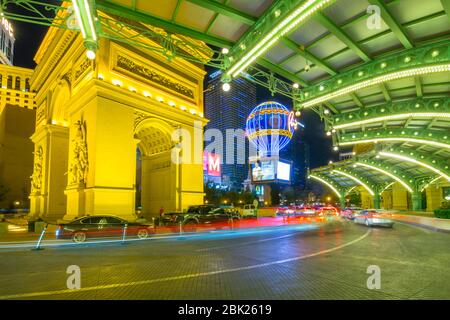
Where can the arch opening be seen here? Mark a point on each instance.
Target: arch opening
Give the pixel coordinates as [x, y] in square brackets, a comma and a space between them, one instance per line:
[156, 175]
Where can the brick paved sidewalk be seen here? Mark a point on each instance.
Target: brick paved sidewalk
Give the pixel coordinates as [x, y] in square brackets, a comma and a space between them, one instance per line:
[432, 223]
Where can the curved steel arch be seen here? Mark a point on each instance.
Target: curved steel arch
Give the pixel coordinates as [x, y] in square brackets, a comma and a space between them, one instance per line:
[420, 107]
[429, 137]
[408, 63]
[439, 167]
[377, 167]
[427, 184]
[386, 187]
[417, 183]
[325, 181]
[358, 179]
[347, 192]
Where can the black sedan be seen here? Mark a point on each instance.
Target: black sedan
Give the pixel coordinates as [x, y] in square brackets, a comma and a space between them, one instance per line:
[101, 226]
[200, 215]
[218, 215]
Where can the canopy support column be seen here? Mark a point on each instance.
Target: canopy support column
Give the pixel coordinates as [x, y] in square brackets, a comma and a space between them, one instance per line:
[416, 198]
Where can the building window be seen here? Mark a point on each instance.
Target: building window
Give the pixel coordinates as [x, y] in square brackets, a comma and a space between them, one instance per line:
[17, 85]
[9, 49]
[27, 85]
[10, 82]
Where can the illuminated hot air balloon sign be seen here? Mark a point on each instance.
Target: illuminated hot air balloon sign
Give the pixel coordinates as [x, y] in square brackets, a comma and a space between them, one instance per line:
[270, 127]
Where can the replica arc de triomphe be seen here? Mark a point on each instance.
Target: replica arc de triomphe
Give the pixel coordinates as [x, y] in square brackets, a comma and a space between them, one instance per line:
[93, 116]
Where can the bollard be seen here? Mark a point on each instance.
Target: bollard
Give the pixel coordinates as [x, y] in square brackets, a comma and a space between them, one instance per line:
[38, 245]
[124, 234]
[181, 228]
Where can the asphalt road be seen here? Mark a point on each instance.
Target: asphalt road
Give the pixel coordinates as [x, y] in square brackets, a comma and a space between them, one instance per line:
[329, 262]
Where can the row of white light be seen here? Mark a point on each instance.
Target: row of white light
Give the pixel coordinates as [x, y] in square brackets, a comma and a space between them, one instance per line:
[377, 80]
[386, 173]
[385, 188]
[350, 190]
[394, 117]
[158, 98]
[376, 140]
[356, 180]
[326, 183]
[300, 14]
[431, 182]
[412, 160]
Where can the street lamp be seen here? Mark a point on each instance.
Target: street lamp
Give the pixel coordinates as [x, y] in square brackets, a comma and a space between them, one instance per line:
[91, 54]
[226, 87]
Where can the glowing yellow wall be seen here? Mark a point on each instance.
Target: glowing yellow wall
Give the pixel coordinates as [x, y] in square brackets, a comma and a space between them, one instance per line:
[399, 197]
[99, 107]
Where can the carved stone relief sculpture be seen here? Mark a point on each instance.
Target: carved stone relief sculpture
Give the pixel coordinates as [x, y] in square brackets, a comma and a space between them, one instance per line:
[36, 178]
[79, 162]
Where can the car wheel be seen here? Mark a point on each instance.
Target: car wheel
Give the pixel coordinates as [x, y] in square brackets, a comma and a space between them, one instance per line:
[142, 234]
[79, 237]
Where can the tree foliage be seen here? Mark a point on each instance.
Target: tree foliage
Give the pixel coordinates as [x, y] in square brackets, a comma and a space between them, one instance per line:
[218, 196]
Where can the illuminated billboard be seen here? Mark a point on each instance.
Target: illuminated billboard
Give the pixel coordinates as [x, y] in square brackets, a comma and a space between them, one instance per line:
[263, 171]
[271, 170]
[283, 171]
[211, 164]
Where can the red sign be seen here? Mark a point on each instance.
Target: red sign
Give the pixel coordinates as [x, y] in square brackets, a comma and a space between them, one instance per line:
[211, 164]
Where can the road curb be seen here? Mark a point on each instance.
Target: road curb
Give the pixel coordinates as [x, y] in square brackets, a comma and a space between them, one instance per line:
[424, 226]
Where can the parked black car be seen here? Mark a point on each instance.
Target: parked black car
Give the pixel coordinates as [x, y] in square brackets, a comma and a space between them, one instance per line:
[168, 219]
[217, 215]
[198, 215]
[101, 226]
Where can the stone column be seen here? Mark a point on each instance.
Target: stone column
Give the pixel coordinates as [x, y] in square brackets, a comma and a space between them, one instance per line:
[376, 200]
[387, 199]
[47, 199]
[342, 200]
[366, 199]
[434, 197]
[399, 197]
[416, 198]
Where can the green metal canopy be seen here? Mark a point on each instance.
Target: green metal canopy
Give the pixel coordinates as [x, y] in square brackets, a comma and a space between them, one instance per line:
[376, 71]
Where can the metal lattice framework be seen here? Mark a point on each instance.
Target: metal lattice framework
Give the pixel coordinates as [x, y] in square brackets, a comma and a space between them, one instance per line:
[383, 165]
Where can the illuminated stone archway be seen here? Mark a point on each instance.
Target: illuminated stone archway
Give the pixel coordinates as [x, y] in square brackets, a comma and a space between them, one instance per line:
[92, 115]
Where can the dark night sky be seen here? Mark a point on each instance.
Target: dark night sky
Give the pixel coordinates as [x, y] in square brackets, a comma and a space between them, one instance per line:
[28, 38]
